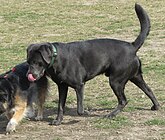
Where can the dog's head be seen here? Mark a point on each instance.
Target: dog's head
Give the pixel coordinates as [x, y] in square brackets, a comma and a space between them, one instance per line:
[3, 95]
[8, 87]
[38, 57]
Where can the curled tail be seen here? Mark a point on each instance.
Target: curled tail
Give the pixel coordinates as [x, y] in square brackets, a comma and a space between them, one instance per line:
[145, 26]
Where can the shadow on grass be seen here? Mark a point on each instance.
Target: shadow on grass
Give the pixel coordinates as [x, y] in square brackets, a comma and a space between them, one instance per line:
[143, 109]
[51, 113]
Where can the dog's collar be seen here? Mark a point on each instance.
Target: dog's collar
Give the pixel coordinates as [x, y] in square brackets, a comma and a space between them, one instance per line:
[54, 55]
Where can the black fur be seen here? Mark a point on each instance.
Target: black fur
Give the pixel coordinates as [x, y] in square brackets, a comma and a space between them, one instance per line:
[78, 62]
[13, 85]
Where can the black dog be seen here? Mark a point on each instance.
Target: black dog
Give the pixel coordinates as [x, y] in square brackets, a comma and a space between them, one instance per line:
[19, 95]
[72, 64]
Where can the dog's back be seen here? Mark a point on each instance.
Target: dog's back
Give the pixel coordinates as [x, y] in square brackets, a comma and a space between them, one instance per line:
[72, 64]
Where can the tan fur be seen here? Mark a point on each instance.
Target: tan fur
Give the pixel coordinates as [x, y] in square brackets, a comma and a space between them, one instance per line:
[18, 111]
[20, 104]
[41, 97]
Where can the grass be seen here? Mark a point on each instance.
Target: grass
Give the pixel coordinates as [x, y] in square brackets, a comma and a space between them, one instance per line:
[26, 22]
[57, 139]
[115, 123]
[160, 122]
[50, 104]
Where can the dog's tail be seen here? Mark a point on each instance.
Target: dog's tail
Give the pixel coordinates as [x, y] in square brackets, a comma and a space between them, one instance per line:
[145, 26]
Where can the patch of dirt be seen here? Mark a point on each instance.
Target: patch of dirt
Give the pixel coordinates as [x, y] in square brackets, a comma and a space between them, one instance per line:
[76, 127]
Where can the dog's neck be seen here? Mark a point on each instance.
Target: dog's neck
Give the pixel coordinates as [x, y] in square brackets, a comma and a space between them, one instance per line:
[54, 55]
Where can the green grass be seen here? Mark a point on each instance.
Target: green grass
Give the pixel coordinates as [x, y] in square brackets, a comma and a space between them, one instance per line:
[50, 104]
[115, 123]
[26, 22]
[57, 139]
[160, 122]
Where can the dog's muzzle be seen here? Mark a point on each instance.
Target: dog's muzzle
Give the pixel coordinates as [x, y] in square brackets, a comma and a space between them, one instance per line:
[35, 76]
[31, 78]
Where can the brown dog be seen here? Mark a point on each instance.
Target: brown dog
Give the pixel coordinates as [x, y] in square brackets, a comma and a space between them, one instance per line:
[19, 95]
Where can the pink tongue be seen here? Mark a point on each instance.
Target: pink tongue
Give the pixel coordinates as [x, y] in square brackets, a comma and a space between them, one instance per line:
[31, 78]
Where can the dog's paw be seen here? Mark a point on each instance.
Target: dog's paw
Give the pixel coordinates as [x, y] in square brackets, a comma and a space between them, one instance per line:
[55, 122]
[86, 113]
[30, 113]
[80, 112]
[38, 118]
[109, 116]
[11, 126]
[83, 113]
[155, 107]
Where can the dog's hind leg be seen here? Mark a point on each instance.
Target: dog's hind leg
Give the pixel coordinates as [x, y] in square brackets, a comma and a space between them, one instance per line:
[139, 81]
[118, 85]
[41, 93]
[41, 100]
[63, 89]
[30, 113]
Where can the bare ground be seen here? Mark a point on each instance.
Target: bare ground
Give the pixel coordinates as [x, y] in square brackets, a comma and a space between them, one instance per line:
[76, 127]
[80, 127]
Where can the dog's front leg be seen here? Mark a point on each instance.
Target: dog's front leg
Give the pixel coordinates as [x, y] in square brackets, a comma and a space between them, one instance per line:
[63, 89]
[16, 118]
[80, 99]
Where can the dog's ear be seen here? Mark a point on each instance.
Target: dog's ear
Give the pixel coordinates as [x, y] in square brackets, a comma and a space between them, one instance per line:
[46, 53]
[29, 49]
[43, 48]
